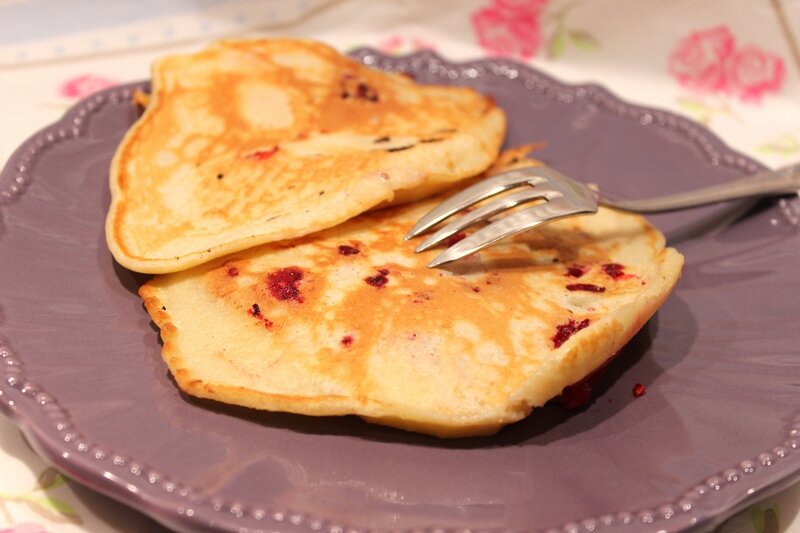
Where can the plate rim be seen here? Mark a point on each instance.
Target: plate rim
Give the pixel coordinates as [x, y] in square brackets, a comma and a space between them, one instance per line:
[176, 507]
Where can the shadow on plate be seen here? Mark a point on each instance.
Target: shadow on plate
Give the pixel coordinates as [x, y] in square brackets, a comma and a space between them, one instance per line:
[718, 220]
[129, 279]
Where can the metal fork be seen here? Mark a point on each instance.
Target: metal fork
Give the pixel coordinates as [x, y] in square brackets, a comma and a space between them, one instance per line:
[560, 197]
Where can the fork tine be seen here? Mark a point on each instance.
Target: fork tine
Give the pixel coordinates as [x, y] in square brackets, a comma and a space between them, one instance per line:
[480, 191]
[506, 227]
[486, 211]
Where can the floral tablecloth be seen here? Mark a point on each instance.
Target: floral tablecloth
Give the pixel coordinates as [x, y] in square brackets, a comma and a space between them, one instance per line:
[733, 65]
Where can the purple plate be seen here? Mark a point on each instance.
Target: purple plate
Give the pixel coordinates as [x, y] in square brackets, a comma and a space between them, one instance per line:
[83, 377]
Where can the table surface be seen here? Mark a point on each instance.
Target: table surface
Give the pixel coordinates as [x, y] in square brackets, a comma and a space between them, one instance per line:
[733, 65]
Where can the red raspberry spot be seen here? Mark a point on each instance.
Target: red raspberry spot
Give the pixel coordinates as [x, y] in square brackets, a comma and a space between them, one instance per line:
[565, 331]
[282, 284]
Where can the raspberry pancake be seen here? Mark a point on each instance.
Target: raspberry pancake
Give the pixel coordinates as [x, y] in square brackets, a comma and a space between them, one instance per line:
[350, 321]
[255, 141]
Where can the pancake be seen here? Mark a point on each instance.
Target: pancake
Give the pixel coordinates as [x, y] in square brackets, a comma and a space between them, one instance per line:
[350, 321]
[254, 141]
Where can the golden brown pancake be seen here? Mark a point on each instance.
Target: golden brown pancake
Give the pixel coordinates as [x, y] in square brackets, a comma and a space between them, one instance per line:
[255, 141]
[350, 321]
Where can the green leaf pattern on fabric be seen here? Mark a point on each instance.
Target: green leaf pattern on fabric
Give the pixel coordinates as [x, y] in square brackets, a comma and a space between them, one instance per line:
[50, 478]
[557, 43]
[584, 40]
[703, 111]
[41, 500]
[563, 35]
[785, 145]
[766, 520]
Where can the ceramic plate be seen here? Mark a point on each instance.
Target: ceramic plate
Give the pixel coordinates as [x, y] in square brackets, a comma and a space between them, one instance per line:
[718, 426]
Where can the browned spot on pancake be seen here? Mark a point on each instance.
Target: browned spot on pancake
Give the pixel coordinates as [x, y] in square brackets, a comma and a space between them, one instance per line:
[400, 148]
[420, 297]
[346, 249]
[353, 87]
[588, 287]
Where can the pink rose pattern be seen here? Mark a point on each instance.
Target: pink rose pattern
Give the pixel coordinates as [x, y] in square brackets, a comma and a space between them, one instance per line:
[709, 61]
[756, 72]
[84, 85]
[510, 27]
[25, 527]
[395, 44]
[698, 62]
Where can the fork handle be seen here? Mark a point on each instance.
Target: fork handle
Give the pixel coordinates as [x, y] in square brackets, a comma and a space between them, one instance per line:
[772, 182]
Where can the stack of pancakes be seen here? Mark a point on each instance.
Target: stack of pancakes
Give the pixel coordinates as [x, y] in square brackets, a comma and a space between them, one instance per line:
[270, 183]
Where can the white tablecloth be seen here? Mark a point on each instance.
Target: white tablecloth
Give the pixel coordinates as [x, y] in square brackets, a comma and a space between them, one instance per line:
[733, 65]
